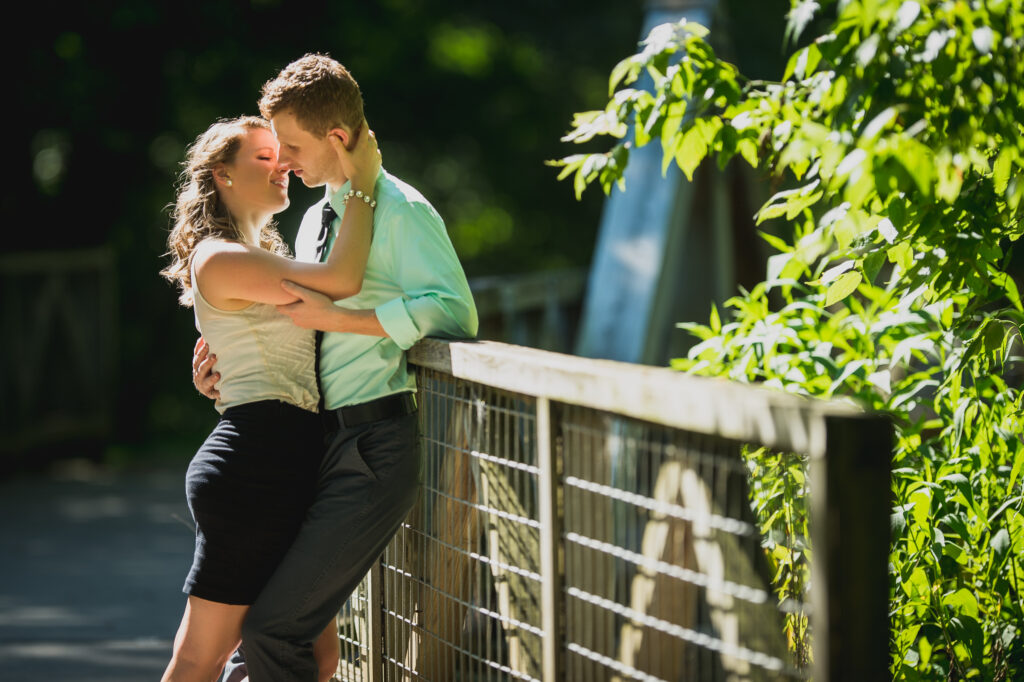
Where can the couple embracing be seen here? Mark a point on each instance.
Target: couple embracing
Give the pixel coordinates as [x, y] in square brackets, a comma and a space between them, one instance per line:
[315, 460]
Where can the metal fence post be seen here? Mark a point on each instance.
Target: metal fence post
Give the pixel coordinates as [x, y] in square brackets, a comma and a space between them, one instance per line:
[551, 551]
[851, 503]
[374, 617]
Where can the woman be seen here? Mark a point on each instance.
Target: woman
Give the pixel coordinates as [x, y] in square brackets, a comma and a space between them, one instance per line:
[251, 482]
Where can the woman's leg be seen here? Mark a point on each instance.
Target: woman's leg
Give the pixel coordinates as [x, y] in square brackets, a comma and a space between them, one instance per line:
[327, 650]
[208, 633]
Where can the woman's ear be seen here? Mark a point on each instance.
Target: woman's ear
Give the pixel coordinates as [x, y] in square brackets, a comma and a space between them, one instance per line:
[221, 175]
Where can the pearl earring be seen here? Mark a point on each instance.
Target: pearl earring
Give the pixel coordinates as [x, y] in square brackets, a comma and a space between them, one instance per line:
[228, 182]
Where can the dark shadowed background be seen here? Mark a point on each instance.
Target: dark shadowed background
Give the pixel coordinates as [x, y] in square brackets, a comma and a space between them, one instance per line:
[468, 100]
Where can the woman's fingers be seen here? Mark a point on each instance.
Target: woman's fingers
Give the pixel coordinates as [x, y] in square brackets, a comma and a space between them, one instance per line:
[361, 163]
[199, 354]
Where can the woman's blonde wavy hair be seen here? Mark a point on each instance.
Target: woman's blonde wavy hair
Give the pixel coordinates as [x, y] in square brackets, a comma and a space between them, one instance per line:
[199, 213]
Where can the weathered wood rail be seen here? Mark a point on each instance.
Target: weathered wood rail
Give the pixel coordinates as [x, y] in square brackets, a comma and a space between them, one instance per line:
[59, 342]
[589, 520]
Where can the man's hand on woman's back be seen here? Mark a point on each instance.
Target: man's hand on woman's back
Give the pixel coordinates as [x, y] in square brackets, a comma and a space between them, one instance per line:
[203, 376]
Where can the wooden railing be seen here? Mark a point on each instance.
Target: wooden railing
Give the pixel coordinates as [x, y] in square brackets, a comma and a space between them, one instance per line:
[539, 309]
[589, 520]
[57, 347]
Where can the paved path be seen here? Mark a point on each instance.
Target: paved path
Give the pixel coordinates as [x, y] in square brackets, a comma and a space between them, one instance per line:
[91, 568]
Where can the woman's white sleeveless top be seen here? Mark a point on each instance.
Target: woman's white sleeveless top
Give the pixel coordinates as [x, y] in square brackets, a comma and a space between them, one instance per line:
[261, 355]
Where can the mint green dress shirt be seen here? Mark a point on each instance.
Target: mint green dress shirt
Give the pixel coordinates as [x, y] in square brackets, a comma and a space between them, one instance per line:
[413, 281]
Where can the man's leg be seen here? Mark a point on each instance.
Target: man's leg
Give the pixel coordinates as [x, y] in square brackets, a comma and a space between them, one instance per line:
[368, 483]
[326, 651]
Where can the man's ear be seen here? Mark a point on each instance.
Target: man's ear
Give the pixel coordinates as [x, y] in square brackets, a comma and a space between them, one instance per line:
[343, 135]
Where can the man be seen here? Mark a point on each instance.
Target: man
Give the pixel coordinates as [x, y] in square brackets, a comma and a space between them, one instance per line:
[414, 286]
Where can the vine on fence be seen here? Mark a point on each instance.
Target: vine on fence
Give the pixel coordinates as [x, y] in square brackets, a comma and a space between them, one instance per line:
[898, 138]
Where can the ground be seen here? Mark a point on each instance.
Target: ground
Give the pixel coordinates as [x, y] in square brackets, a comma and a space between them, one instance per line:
[91, 568]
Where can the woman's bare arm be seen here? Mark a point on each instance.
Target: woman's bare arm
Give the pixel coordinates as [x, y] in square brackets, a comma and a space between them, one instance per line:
[234, 274]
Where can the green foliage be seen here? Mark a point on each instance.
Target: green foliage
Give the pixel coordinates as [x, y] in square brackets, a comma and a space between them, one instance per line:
[896, 139]
[463, 97]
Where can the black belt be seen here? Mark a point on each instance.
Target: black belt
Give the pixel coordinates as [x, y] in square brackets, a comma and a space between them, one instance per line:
[395, 405]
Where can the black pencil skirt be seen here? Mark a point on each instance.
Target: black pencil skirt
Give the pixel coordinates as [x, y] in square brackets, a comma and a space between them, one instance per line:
[248, 488]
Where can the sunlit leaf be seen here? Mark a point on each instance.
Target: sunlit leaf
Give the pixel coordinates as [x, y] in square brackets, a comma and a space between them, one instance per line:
[799, 17]
[842, 287]
[962, 601]
[982, 38]
[905, 17]
[1001, 169]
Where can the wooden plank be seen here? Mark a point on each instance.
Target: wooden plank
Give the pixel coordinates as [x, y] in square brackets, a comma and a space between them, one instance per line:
[850, 572]
[63, 299]
[375, 644]
[698, 404]
[531, 291]
[552, 567]
[37, 262]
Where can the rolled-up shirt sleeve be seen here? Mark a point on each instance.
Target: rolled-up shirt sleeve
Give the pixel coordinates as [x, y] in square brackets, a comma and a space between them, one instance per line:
[436, 299]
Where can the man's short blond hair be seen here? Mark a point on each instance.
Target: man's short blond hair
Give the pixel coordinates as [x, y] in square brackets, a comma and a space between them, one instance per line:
[318, 91]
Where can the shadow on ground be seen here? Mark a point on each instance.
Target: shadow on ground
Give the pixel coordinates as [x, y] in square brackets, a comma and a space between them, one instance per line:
[92, 567]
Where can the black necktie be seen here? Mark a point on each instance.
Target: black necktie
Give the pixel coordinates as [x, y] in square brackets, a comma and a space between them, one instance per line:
[326, 220]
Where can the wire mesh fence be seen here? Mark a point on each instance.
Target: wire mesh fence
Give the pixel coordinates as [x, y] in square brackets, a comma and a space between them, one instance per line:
[559, 541]
[461, 579]
[665, 575]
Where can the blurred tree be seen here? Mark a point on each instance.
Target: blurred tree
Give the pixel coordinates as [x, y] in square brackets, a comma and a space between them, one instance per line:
[467, 99]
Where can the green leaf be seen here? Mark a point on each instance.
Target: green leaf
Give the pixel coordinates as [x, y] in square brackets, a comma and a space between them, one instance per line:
[897, 524]
[780, 244]
[982, 38]
[693, 149]
[799, 17]
[625, 72]
[1018, 464]
[670, 135]
[905, 17]
[962, 602]
[842, 287]
[866, 50]
[917, 583]
[800, 202]
[967, 630]
[924, 647]
[958, 421]
[994, 336]
[1001, 169]
[949, 176]
[579, 184]
[872, 264]
[1000, 544]
[570, 164]
[803, 63]
[1009, 287]
[747, 148]
[902, 255]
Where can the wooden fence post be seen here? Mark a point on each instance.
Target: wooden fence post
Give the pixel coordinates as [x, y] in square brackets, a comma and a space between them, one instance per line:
[374, 615]
[851, 503]
[552, 559]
